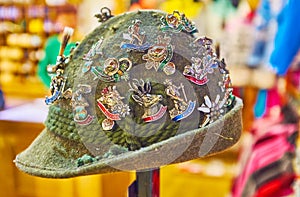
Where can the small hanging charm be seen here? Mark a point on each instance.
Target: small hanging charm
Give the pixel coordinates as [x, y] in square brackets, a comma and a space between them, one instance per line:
[111, 105]
[153, 109]
[104, 15]
[79, 104]
[160, 55]
[58, 81]
[112, 70]
[135, 37]
[182, 107]
[177, 22]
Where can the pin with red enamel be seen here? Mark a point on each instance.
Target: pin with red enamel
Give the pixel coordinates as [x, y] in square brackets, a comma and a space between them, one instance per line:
[79, 104]
[111, 105]
[142, 95]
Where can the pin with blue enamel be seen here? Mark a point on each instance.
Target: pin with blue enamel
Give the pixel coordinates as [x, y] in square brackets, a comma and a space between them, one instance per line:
[135, 38]
[182, 106]
[58, 80]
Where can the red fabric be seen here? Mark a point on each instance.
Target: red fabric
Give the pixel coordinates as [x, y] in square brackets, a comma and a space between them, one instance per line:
[277, 188]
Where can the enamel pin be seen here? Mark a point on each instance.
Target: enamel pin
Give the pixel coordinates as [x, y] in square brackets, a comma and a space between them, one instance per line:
[57, 88]
[112, 70]
[226, 87]
[177, 22]
[58, 81]
[153, 109]
[93, 53]
[135, 37]
[111, 105]
[213, 110]
[205, 45]
[182, 107]
[160, 55]
[79, 104]
[197, 72]
[203, 64]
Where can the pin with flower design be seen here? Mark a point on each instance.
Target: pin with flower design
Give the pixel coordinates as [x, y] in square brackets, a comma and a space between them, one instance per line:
[177, 22]
[204, 62]
[79, 104]
[111, 105]
[197, 72]
[135, 37]
[213, 110]
[159, 56]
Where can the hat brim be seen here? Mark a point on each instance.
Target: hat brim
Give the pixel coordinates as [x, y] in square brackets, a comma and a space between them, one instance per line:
[52, 157]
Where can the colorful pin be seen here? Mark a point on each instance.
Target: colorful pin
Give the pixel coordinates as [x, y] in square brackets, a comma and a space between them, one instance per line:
[153, 109]
[79, 104]
[135, 37]
[58, 81]
[177, 22]
[112, 70]
[197, 72]
[92, 54]
[182, 107]
[111, 105]
[160, 55]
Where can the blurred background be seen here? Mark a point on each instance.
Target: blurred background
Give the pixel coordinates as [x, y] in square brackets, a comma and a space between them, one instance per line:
[259, 40]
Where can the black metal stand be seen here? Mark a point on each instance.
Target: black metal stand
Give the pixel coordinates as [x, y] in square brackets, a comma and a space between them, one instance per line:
[146, 184]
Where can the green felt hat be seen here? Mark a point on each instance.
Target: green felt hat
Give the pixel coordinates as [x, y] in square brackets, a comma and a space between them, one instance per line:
[139, 92]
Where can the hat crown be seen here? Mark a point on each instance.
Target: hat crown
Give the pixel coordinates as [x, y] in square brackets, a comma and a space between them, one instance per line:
[133, 76]
[139, 92]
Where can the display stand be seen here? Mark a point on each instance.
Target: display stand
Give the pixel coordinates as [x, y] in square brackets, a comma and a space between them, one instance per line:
[146, 184]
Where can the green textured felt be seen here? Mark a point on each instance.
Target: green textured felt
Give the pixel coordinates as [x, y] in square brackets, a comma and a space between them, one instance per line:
[56, 151]
[53, 157]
